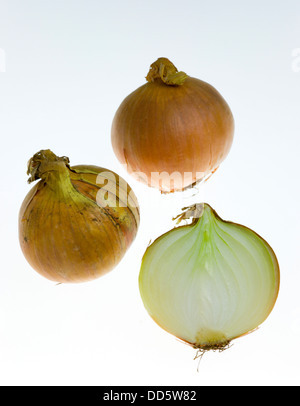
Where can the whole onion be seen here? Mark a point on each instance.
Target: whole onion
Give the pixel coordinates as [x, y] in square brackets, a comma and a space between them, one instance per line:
[76, 223]
[173, 131]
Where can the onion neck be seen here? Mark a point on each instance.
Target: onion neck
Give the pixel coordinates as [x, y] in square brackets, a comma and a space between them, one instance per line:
[164, 70]
[194, 212]
[51, 169]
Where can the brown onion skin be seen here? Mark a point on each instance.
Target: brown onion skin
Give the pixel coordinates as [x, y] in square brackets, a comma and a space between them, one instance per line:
[65, 235]
[186, 128]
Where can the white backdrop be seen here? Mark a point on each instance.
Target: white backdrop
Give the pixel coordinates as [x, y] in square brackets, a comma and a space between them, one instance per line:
[65, 66]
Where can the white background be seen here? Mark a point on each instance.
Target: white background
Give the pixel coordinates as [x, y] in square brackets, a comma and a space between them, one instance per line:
[68, 66]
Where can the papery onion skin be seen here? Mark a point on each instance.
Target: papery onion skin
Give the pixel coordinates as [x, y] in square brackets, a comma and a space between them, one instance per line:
[160, 128]
[64, 233]
[209, 282]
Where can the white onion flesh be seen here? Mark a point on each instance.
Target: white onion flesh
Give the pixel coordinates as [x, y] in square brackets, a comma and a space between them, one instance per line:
[210, 281]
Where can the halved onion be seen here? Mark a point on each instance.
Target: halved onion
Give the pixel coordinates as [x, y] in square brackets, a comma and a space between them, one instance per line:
[210, 281]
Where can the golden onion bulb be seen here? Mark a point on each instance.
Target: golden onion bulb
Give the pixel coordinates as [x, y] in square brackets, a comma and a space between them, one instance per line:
[210, 281]
[173, 131]
[77, 222]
